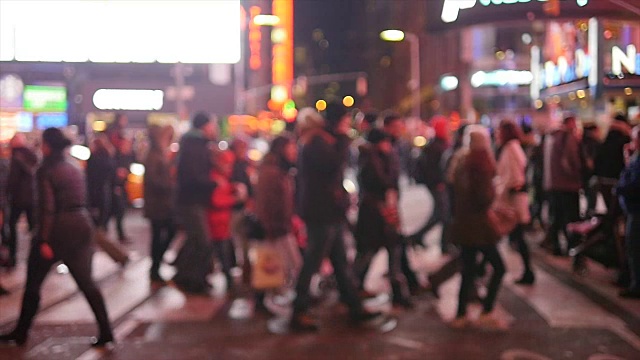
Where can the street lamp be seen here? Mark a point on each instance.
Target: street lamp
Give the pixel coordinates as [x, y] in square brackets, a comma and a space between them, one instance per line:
[414, 41]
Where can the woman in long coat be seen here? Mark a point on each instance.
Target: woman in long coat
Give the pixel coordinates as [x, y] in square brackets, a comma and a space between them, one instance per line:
[65, 232]
[472, 228]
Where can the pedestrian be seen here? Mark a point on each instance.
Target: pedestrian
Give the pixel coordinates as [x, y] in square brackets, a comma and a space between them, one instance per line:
[378, 222]
[64, 234]
[20, 191]
[430, 171]
[472, 229]
[116, 131]
[563, 169]
[224, 198]
[323, 205]
[275, 203]
[123, 159]
[159, 197]
[511, 189]
[609, 162]
[590, 146]
[244, 172]
[394, 126]
[100, 176]
[193, 199]
[628, 189]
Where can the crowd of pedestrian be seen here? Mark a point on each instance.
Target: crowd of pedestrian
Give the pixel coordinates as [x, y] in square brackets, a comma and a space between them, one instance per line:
[295, 200]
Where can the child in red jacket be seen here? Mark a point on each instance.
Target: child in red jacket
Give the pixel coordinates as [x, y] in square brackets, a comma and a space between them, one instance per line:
[225, 196]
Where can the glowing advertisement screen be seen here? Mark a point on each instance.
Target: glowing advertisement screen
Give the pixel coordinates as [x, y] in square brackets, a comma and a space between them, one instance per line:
[113, 31]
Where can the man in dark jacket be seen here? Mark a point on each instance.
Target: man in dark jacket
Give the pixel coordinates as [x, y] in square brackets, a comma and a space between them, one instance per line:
[563, 166]
[628, 189]
[323, 204]
[609, 162]
[20, 190]
[429, 171]
[193, 199]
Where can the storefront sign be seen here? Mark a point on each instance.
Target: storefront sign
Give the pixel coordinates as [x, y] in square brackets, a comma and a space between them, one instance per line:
[562, 72]
[629, 60]
[44, 98]
[451, 8]
[501, 78]
[128, 99]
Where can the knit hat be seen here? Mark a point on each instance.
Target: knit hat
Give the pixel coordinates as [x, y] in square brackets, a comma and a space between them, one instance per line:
[200, 120]
[308, 118]
[476, 137]
[334, 113]
[55, 139]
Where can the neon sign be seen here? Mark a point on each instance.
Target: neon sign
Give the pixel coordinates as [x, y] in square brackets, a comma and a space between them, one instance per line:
[630, 60]
[562, 72]
[451, 8]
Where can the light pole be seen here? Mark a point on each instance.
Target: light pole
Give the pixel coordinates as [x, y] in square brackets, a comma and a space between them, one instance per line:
[414, 42]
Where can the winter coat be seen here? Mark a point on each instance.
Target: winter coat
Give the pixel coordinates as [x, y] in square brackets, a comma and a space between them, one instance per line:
[194, 167]
[375, 178]
[429, 168]
[628, 187]
[511, 180]
[474, 195]
[159, 186]
[62, 201]
[609, 161]
[274, 197]
[21, 180]
[222, 201]
[323, 199]
[563, 163]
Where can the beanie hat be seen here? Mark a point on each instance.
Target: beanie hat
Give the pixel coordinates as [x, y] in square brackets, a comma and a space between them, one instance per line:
[55, 139]
[376, 135]
[334, 113]
[200, 120]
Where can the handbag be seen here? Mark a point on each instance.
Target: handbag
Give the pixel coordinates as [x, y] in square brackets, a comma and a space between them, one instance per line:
[267, 267]
[503, 219]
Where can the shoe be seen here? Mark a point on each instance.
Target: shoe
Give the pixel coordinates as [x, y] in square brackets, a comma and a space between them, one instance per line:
[363, 316]
[303, 323]
[527, 279]
[102, 342]
[13, 338]
[490, 322]
[629, 294]
[459, 323]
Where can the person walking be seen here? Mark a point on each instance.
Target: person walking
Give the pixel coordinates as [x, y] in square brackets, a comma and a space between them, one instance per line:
[378, 222]
[64, 234]
[628, 189]
[123, 159]
[275, 200]
[323, 204]
[193, 199]
[511, 189]
[20, 191]
[430, 171]
[472, 228]
[563, 169]
[159, 197]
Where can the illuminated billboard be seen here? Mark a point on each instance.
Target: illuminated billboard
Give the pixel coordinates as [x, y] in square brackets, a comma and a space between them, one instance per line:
[110, 31]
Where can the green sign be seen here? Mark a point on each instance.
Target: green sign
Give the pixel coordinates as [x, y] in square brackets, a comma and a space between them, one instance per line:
[38, 98]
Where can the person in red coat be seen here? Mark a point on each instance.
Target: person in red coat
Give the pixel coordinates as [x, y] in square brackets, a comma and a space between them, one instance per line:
[223, 199]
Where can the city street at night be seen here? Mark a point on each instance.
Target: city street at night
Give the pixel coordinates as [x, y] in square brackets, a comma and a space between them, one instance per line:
[563, 316]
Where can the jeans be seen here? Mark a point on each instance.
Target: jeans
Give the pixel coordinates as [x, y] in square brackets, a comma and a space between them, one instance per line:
[162, 233]
[14, 216]
[193, 262]
[517, 237]
[118, 208]
[396, 277]
[326, 240]
[224, 251]
[440, 215]
[633, 249]
[469, 270]
[565, 208]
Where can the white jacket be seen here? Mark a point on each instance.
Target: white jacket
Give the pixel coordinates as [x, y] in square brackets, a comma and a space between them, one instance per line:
[511, 167]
